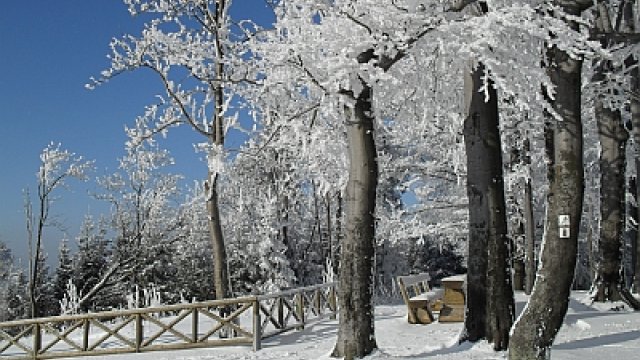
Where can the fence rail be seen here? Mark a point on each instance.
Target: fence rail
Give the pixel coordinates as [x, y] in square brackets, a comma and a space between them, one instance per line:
[239, 321]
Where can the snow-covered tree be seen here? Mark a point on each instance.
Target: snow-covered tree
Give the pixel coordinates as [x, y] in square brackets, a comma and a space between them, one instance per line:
[56, 167]
[90, 264]
[64, 270]
[190, 45]
[194, 265]
[6, 272]
[539, 323]
[347, 78]
[143, 200]
[17, 297]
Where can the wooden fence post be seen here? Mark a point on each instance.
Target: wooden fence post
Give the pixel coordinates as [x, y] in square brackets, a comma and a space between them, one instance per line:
[86, 326]
[333, 302]
[317, 293]
[194, 325]
[37, 340]
[257, 326]
[281, 312]
[139, 332]
[301, 310]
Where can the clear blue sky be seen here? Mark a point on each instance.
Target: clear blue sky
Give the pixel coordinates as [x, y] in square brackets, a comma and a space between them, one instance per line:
[48, 51]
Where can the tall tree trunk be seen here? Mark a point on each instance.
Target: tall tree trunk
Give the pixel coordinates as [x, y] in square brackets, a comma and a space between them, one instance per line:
[537, 326]
[220, 273]
[636, 263]
[635, 133]
[490, 307]
[356, 337]
[613, 138]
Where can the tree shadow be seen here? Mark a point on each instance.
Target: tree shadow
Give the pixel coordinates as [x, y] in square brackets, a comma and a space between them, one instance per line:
[600, 340]
[584, 311]
[312, 334]
[445, 350]
[573, 318]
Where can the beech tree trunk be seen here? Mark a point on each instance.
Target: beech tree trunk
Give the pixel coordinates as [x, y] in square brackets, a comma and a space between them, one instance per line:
[490, 305]
[635, 286]
[356, 337]
[635, 133]
[613, 137]
[538, 325]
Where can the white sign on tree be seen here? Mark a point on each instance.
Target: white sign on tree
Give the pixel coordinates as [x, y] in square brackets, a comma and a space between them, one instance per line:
[563, 226]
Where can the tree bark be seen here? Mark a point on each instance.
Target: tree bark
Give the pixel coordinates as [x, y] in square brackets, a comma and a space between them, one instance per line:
[535, 330]
[635, 133]
[613, 137]
[220, 273]
[356, 336]
[490, 306]
[636, 263]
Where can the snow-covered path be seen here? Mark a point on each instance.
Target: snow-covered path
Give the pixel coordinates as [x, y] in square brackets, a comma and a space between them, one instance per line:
[589, 333]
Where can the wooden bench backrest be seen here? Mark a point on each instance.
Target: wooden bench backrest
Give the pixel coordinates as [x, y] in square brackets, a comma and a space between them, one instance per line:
[412, 285]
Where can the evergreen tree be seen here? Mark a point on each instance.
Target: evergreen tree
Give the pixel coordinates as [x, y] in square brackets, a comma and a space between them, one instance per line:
[44, 288]
[90, 263]
[144, 221]
[439, 258]
[64, 271]
[17, 297]
[6, 265]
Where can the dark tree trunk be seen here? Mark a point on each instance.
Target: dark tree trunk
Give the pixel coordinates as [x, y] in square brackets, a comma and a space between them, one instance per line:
[535, 330]
[636, 259]
[490, 307]
[635, 133]
[613, 137]
[356, 337]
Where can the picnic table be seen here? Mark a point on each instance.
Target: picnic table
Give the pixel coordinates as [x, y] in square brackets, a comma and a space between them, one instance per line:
[454, 298]
[422, 300]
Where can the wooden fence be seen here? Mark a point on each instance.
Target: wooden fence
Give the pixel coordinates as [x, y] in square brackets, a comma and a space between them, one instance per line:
[239, 321]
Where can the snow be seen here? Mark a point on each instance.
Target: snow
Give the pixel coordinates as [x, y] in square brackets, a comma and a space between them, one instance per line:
[589, 332]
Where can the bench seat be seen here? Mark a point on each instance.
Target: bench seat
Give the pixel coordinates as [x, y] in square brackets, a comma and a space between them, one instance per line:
[431, 295]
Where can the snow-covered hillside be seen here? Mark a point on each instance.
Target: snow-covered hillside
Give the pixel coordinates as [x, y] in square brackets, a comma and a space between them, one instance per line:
[590, 332]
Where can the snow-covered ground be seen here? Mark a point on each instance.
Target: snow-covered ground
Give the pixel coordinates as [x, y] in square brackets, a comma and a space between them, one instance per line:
[589, 332]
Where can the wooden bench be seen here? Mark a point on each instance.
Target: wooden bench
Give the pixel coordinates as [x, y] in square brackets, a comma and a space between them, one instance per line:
[419, 297]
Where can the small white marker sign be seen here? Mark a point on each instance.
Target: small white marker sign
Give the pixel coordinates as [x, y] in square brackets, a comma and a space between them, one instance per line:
[563, 226]
[563, 220]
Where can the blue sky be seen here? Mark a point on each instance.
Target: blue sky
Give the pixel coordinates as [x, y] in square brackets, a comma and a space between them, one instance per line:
[49, 50]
